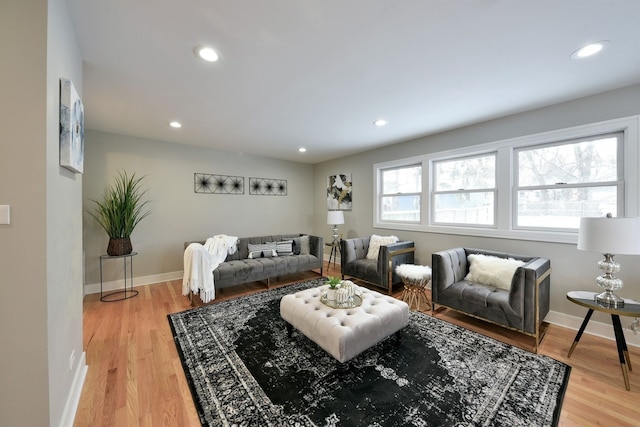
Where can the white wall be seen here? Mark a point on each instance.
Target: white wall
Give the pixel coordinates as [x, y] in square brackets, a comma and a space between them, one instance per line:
[179, 214]
[64, 230]
[40, 263]
[572, 270]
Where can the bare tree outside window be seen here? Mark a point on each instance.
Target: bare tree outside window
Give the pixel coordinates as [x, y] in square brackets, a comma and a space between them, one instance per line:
[557, 184]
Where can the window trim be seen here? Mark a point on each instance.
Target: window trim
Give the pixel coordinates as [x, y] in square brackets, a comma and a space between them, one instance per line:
[629, 126]
[382, 194]
[433, 193]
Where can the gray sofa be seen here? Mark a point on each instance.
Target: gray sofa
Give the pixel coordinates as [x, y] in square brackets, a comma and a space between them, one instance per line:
[239, 268]
[380, 272]
[522, 308]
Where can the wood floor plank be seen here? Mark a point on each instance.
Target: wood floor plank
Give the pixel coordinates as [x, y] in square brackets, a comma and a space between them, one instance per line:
[135, 375]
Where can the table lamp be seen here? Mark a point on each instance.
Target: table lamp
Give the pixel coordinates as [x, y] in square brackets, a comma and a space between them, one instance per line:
[334, 218]
[609, 236]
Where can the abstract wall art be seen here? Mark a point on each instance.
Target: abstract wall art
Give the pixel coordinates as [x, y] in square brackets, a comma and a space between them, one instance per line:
[339, 192]
[71, 128]
[267, 186]
[217, 184]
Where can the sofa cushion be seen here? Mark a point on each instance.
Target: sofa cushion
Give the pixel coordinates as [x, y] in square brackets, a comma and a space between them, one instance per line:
[376, 241]
[284, 247]
[262, 250]
[492, 271]
[301, 245]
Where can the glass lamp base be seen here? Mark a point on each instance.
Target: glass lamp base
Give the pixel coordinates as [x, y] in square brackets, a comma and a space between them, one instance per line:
[609, 299]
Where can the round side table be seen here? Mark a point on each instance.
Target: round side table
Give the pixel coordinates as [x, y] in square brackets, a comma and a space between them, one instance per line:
[630, 308]
[126, 293]
[416, 279]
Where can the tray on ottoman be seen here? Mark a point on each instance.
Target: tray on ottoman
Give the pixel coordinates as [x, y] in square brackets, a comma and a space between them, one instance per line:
[344, 332]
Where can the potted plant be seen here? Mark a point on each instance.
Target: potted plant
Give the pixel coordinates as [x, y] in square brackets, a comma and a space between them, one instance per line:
[334, 284]
[120, 210]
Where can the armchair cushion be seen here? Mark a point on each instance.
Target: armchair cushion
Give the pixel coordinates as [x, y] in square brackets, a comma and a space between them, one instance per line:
[492, 270]
[376, 241]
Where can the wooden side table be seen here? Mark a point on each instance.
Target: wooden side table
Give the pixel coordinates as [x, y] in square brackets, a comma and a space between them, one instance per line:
[630, 309]
[127, 293]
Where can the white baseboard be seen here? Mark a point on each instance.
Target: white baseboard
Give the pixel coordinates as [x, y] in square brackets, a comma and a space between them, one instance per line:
[115, 285]
[600, 329]
[71, 407]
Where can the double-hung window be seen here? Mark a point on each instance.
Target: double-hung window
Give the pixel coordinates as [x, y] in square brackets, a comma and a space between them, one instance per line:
[558, 183]
[464, 191]
[535, 187]
[399, 199]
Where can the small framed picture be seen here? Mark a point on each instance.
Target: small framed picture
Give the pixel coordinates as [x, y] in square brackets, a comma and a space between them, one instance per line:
[71, 128]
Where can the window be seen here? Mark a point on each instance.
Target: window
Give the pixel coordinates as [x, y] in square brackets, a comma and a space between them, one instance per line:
[533, 187]
[400, 195]
[464, 190]
[559, 183]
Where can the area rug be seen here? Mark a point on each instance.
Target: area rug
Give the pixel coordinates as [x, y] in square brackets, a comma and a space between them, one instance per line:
[244, 370]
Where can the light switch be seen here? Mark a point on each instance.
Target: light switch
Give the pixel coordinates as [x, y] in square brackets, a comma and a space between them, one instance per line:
[5, 211]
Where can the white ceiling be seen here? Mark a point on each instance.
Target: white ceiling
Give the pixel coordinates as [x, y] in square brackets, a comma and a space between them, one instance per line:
[317, 73]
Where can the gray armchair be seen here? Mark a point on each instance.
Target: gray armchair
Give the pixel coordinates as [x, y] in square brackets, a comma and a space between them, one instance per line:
[522, 308]
[380, 272]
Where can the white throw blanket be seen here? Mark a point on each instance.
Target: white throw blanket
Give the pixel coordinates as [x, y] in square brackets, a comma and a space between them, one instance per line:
[201, 260]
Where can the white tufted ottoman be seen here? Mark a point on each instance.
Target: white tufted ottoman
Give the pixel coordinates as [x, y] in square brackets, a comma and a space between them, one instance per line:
[344, 332]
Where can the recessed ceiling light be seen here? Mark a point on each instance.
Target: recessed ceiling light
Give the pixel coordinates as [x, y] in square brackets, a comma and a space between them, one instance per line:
[175, 124]
[380, 122]
[589, 50]
[207, 53]
[302, 149]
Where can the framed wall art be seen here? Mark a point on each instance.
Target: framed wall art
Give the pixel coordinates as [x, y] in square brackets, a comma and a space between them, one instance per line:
[267, 186]
[217, 184]
[339, 192]
[71, 128]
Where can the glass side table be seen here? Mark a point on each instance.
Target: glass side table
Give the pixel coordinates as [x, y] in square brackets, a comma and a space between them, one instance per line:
[631, 309]
[119, 294]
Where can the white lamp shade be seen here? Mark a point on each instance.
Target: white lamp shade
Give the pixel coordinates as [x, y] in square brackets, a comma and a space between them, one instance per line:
[617, 236]
[335, 217]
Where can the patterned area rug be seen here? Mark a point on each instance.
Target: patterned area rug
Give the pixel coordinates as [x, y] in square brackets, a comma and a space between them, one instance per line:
[244, 370]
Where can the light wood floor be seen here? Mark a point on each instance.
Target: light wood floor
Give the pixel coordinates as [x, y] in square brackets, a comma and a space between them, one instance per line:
[135, 376]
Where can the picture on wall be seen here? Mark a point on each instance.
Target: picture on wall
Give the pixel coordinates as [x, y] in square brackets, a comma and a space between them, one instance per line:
[267, 187]
[217, 184]
[339, 196]
[71, 128]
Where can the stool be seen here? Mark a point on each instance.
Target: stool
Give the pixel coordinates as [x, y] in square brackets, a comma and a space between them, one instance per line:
[416, 279]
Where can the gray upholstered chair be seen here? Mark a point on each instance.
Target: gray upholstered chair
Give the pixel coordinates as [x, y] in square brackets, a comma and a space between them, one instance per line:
[379, 272]
[522, 308]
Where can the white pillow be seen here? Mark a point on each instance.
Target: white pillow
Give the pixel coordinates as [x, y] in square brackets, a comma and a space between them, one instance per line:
[492, 271]
[262, 250]
[376, 241]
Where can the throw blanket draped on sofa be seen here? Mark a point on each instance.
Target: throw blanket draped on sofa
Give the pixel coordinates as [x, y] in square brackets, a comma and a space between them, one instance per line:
[200, 261]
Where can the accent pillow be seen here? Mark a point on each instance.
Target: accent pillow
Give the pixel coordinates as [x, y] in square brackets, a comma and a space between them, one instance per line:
[284, 247]
[304, 245]
[296, 246]
[262, 250]
[376, 241]
[492, 271]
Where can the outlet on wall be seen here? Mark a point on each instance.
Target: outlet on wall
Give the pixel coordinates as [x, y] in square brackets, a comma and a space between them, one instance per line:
[71, 359]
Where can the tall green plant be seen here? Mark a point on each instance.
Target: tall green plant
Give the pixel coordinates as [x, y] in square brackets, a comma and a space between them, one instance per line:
[122, 206]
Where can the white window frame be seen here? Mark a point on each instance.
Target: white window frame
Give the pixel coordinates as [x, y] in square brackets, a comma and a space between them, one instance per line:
[381, 195]
[629, 126]
[434, 192]
[618, 182]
